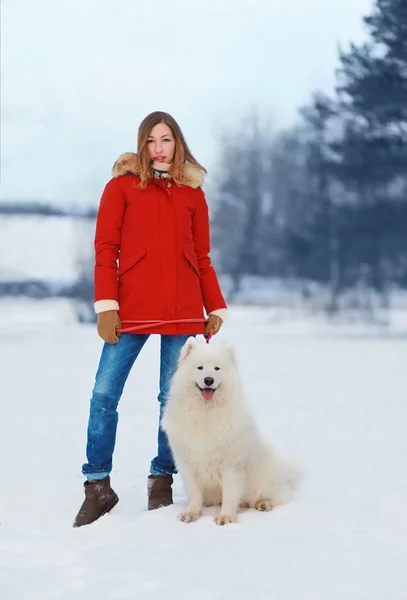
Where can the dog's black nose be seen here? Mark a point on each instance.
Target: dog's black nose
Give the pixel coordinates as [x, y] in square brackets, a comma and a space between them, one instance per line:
[209, 381]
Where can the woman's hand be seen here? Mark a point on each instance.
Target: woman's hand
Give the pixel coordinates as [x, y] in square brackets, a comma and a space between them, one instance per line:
[107, 323]
[214, 323]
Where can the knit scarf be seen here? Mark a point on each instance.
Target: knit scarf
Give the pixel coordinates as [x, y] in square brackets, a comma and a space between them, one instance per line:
[160, 170]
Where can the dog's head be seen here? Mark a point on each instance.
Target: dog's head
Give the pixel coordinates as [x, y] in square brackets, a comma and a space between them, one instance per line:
[208, 367]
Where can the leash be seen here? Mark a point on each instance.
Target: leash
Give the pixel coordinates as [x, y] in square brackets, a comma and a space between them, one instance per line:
[140, 325]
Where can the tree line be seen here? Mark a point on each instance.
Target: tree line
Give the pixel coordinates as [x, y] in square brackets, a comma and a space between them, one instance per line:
[326, 200]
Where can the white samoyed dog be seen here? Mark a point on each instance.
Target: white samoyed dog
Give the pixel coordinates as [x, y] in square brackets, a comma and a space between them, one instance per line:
[215, 441]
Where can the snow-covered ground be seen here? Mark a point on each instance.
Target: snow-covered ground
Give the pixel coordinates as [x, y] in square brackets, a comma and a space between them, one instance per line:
[333, 397]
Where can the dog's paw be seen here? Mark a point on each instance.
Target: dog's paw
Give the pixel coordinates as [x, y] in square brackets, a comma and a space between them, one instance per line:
[224, 519]
[263, 505]
[189, 516]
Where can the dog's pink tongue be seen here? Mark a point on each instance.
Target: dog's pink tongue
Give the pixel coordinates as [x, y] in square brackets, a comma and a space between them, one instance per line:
[208, 393]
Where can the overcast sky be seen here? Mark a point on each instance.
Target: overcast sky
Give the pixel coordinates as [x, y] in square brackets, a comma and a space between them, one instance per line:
[79, 75]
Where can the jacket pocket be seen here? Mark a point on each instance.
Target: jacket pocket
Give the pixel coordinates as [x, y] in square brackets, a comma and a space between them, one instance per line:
[129, 260]
[192, 260]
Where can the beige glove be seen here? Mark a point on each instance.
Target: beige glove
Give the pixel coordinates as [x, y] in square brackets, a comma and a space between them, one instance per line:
[214, 323]
[107, 323]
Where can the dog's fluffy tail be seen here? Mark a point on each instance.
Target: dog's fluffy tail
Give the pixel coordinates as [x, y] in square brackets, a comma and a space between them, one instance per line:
[293, 473]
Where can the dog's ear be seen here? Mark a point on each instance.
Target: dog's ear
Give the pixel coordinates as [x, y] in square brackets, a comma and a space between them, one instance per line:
[231, 351]
[186, 348]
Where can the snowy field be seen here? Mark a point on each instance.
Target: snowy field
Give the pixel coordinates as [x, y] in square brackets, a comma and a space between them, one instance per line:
[332, 397]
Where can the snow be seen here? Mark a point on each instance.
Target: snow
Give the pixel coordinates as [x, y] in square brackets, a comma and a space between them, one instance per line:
[49, 254]
[54, 244]
[330, 396]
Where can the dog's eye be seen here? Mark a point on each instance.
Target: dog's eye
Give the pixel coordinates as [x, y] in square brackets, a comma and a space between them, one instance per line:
[200, 368]
[217, 368]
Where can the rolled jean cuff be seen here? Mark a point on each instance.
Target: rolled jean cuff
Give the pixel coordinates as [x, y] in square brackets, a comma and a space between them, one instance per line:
[158, 472]
[96, 476]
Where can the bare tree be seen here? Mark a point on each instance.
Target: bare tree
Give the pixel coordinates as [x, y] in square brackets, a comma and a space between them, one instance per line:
[240, 203]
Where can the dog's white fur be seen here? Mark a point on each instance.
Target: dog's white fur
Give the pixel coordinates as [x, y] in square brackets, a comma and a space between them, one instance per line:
[216, 443]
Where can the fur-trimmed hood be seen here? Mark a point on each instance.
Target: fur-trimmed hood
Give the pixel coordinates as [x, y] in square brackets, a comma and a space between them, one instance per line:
[129, 163]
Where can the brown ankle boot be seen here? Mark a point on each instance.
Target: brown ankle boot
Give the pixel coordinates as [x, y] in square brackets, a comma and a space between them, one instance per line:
[159, 491]
[99, 500]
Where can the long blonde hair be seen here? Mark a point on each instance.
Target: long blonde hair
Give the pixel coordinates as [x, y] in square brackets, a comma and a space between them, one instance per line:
[182, 153]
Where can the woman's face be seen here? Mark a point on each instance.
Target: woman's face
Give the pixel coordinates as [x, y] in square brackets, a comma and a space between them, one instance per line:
[161, 143]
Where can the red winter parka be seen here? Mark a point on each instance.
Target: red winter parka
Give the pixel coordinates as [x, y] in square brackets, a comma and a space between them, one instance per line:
[152, 250]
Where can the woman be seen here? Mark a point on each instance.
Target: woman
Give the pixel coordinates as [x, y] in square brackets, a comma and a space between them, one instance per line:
[153, 220]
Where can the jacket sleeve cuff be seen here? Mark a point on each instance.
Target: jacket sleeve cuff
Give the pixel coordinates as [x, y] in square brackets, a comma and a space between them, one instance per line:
[220, 312]
[104, 305]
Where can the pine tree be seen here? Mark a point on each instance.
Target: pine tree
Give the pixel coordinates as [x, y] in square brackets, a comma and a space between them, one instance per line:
[372, 89]
[372, 152]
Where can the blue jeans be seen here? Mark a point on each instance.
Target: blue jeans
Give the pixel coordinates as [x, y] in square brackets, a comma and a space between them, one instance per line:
[115, 364]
